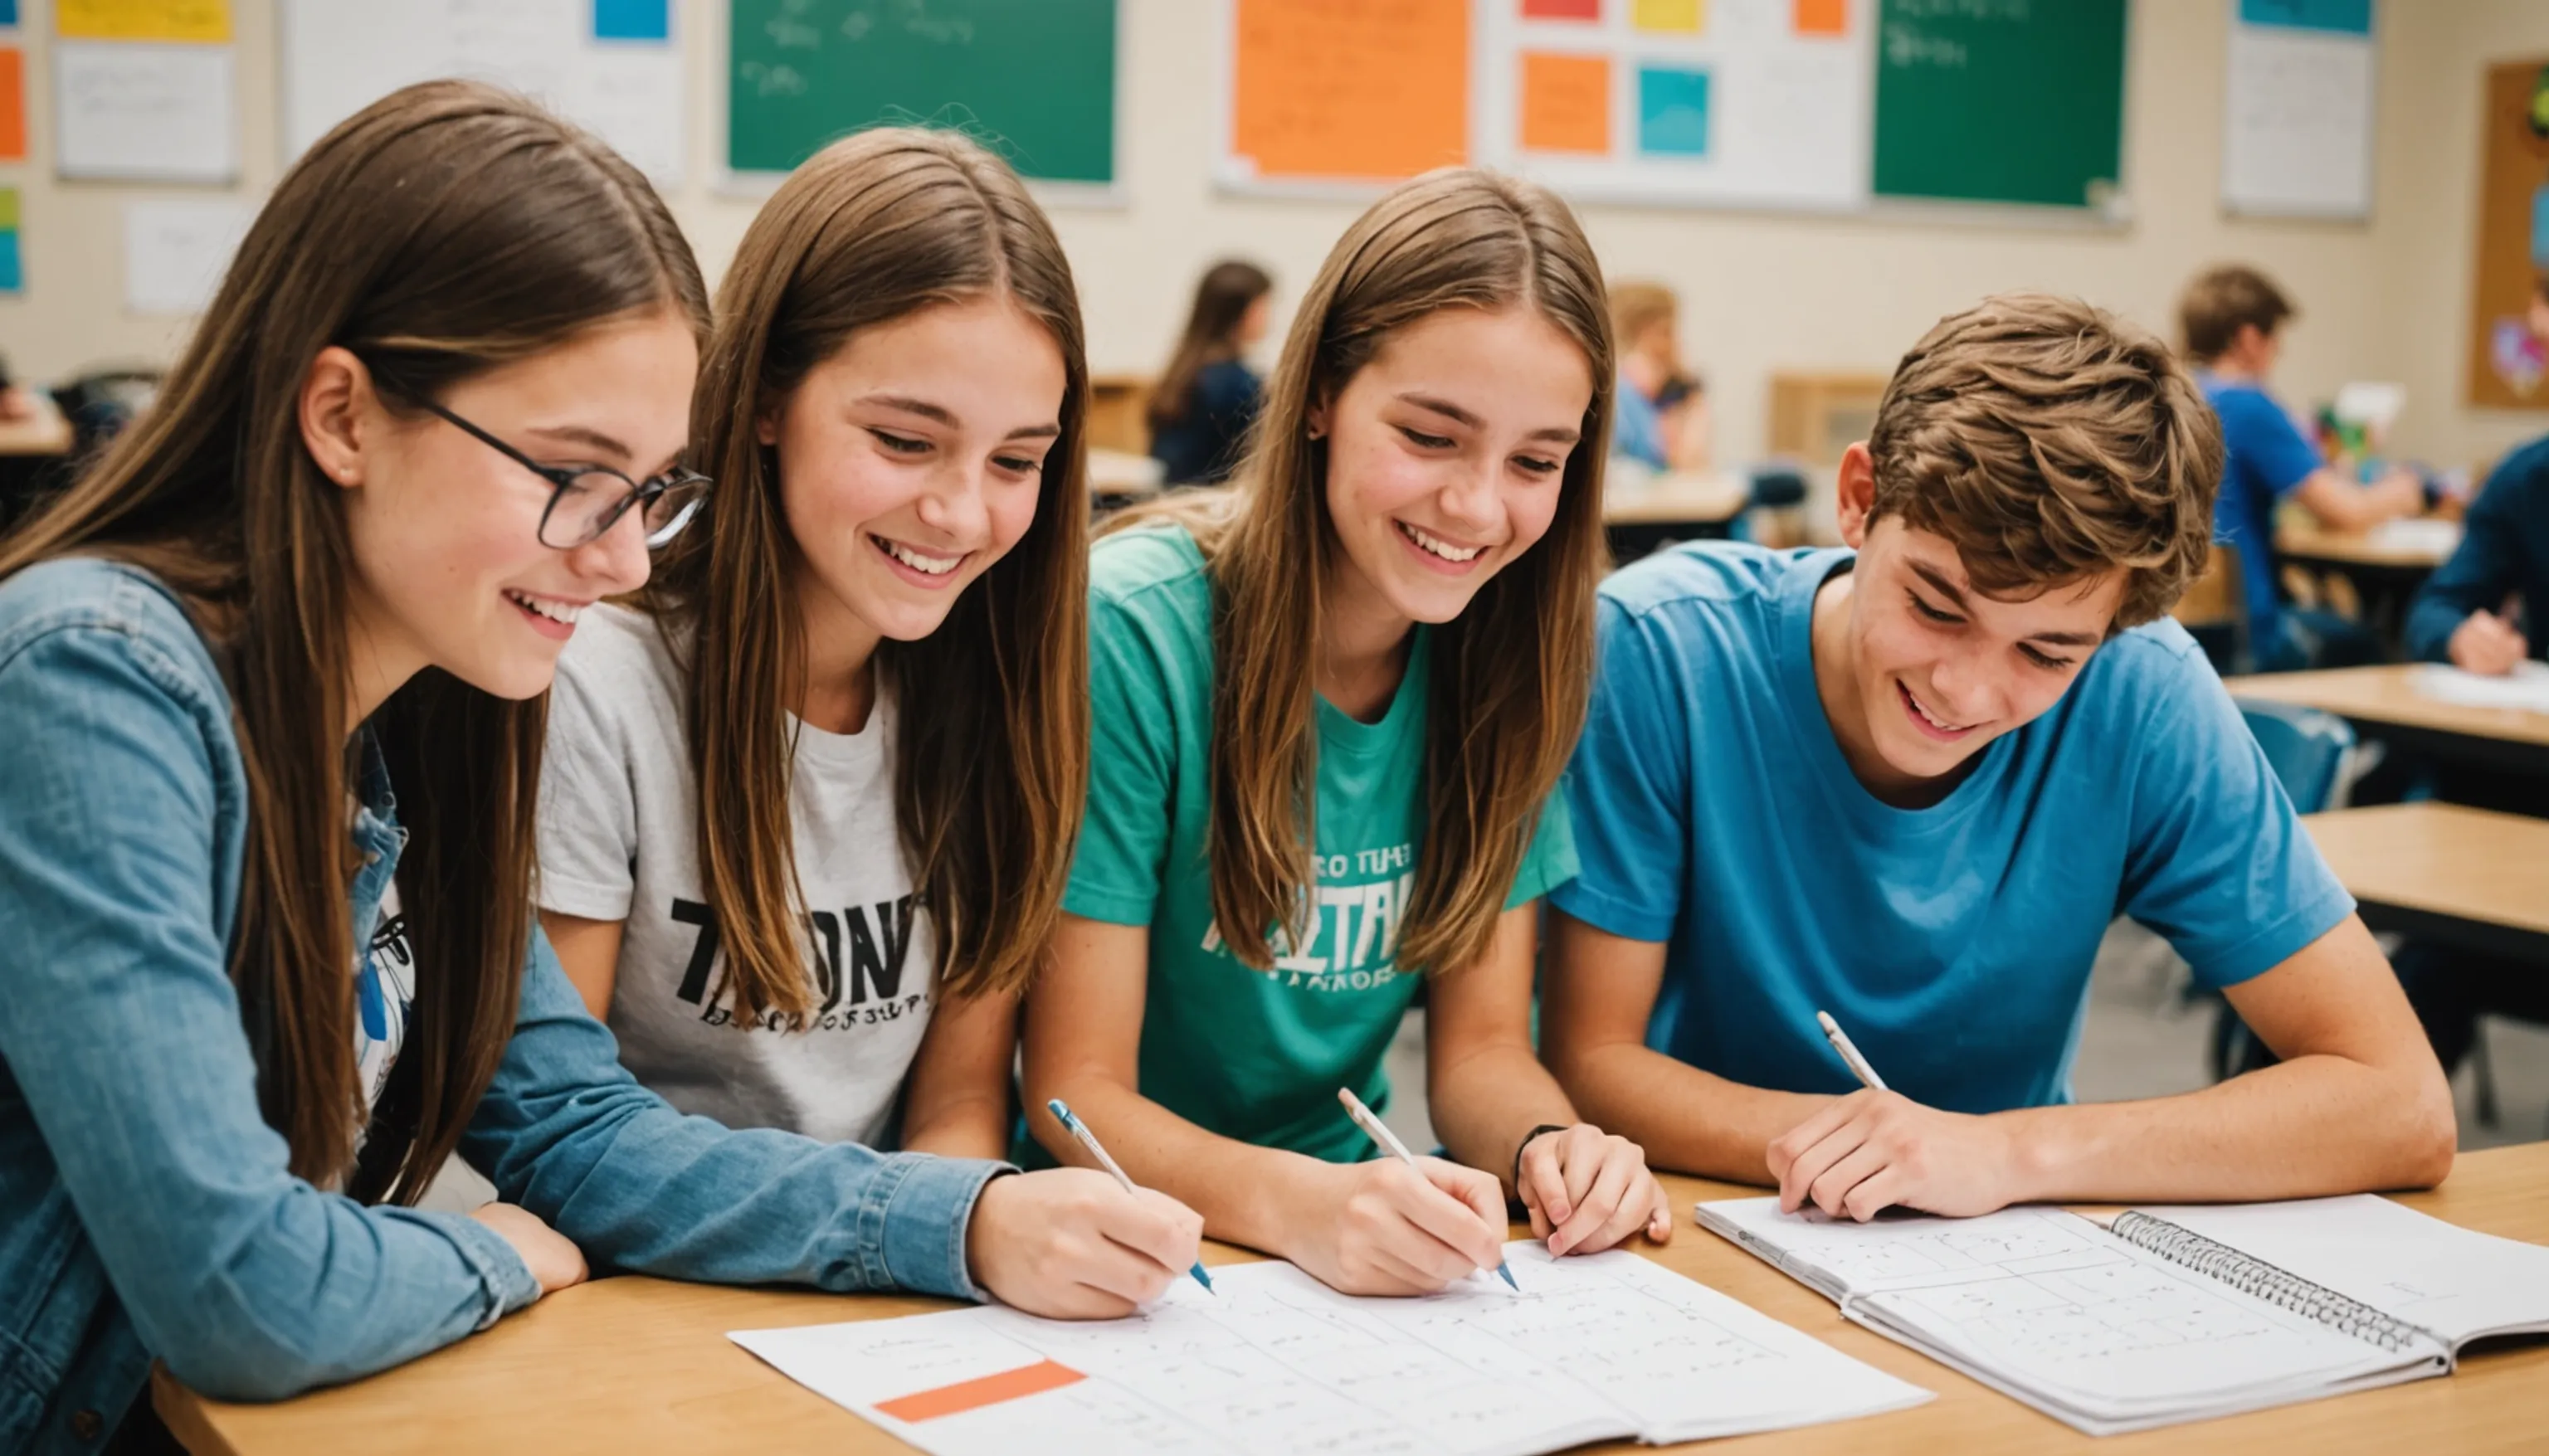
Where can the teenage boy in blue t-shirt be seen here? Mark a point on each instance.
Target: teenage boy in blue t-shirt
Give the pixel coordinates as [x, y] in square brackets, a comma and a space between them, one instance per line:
[1910, 784]
[2232, 319]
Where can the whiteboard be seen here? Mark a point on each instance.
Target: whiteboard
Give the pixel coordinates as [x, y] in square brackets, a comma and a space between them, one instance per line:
[1740, 103]
[341, 55]
[2297, 112]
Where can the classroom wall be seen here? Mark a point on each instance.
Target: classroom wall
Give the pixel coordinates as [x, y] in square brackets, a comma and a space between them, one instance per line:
[1761, 292]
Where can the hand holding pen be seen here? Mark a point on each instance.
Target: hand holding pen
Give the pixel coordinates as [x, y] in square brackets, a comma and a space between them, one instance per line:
[1876, 1149]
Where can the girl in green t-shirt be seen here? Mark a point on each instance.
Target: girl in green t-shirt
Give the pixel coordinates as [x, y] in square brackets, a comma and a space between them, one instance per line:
[1329, 714]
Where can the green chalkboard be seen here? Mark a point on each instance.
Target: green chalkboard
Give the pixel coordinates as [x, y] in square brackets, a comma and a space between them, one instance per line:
[2017, 101]
[1033, 78]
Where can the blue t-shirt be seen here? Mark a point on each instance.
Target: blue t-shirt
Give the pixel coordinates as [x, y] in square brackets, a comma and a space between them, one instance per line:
[1714, 812]
[2268, 459]
[1637, 427]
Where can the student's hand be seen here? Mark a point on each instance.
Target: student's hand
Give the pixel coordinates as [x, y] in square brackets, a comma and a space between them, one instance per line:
[1872, 1151]
[2487, 643]
[1382, 1228]
[1070, 1244]
[2400, 492]
[1587, 1189]
[552, 1257]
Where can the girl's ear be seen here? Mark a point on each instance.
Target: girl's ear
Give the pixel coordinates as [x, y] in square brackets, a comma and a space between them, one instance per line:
[1317, 420]
[764, 425]
[335, 396]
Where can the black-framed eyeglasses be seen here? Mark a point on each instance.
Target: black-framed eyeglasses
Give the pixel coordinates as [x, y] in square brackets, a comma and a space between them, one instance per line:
[585, 500]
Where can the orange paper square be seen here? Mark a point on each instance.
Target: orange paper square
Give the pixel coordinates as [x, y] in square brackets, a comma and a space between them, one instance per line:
[1565, 103]
[1355, 89]
[13, 104]
[1823, 17]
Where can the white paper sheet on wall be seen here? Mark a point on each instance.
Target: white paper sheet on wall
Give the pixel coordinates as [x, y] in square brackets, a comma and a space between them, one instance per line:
[140, 112]
[175, 251]
[2297, 117]
[341, 55]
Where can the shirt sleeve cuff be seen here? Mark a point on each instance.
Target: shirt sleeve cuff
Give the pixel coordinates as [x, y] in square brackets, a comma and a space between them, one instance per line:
[2276, 944]
[1611, 915]
[565, 894]
[1114, 907]
[500, 1271]
[915, 1217]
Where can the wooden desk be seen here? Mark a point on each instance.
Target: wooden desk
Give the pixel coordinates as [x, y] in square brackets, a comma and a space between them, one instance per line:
[2301, 541]
[2465, 877]
[46, 432]
[1684, 506]
[2385, 703]
[639, 1366]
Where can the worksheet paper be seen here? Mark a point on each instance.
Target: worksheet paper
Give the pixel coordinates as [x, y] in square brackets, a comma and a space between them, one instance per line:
[1595, 1348]
[2526, 686]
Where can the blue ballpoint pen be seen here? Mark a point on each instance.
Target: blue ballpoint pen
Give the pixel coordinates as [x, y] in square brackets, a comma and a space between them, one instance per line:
[1378, 1131]
[1080, 1130]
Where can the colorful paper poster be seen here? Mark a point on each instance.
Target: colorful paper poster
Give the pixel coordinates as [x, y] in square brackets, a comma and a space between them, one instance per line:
[1683, 16]
[1341, 90]
[202, 21]
[13, 104]
[1561, 9]
[632, 19]
[1822, 16]
[13, 279]
[1673, 112]
[1566, 103]
[2338, 16]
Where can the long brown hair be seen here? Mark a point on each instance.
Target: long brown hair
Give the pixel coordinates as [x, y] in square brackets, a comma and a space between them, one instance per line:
[1511, 674]
[1223, 297]
[447, 228]
[992, 737]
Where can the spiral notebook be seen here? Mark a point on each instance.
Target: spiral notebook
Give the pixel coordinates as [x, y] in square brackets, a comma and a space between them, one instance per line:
[2165, 1315]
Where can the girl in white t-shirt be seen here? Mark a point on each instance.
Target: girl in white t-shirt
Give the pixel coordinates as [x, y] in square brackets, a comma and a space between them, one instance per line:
[809, 802]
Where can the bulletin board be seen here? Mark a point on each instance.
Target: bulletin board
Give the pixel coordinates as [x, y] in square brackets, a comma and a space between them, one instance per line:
[613, 67]
[1784, 104]
[2506, 367]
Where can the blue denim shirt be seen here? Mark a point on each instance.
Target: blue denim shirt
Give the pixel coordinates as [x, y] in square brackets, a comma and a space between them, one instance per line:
[146, 1208]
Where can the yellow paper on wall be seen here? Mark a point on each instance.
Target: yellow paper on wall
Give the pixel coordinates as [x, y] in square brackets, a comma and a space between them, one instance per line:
[204, 20]
[1670, 15]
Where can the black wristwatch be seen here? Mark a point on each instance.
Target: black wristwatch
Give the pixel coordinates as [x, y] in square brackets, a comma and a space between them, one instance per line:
[1525, 1143]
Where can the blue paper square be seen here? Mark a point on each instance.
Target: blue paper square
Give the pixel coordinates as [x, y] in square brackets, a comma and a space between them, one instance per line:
[628, 20]
[2342, 17]
[10, 279]
[2540, 228]
[8, 12]
[1673, 112]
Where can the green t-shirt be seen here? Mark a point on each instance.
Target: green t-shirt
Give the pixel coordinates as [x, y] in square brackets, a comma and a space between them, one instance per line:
[1256, 1056]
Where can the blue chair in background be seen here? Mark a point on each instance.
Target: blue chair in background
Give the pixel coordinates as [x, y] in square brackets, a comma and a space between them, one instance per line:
[2307, 747]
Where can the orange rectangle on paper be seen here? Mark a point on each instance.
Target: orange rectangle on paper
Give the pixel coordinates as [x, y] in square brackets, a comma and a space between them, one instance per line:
[1823, 17]
[1565, 103]
[974, 1394]
[1351, 89]
[13, 104]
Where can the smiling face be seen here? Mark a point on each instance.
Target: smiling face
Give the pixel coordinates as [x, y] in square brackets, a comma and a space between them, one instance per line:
[1918, 669]
[444, 530]
[1446, 453]
[911, 460]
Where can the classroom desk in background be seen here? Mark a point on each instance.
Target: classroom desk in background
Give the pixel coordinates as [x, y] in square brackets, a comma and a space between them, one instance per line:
[29, 448]
[640, 1365]
[1694, 506]
[2383, 702]
[2411, 546]
[2466, 877]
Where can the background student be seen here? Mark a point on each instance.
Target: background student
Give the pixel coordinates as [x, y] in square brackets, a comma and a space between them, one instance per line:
[1329, 710]
[2232, 320]
[1910, 783]
[1660, 419]
[249, 1005]
[870, 667]
[1208, 397]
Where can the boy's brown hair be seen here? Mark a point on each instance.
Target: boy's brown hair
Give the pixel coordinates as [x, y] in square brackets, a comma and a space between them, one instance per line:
[2051, 441]
[2222, 301]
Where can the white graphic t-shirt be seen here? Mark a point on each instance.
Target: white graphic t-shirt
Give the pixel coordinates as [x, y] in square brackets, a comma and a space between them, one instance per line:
[619, 841]
[384, 992]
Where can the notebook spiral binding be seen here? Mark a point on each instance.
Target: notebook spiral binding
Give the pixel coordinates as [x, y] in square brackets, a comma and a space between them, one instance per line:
[2254, 1276]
